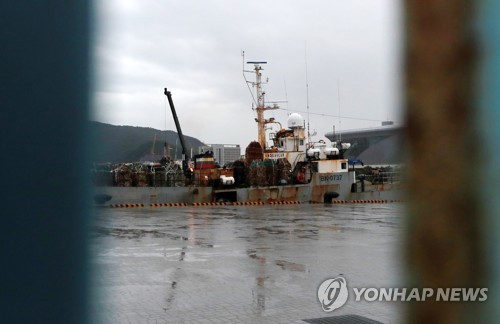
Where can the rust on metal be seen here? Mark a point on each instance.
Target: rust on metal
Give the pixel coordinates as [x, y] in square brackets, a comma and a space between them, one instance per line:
[444, 242]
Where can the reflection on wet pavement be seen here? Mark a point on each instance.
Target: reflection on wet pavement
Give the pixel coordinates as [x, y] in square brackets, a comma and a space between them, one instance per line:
[244, 264]
[291, 266]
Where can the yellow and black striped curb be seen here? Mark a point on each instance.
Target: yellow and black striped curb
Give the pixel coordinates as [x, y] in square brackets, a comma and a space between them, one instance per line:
[126, 205]
[256, 203]
[284, 202]
[212, 204]
[247, 203]
[365, 201]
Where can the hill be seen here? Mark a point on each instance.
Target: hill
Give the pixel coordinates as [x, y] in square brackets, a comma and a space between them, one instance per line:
[116, 144]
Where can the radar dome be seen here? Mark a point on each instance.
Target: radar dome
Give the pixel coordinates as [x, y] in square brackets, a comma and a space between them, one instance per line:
[295, 121]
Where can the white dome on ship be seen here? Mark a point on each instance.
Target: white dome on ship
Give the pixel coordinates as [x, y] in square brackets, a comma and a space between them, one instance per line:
[295, 121]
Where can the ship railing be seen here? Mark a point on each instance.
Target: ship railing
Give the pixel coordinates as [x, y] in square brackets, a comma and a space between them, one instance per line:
[377, 178]
[384, 177]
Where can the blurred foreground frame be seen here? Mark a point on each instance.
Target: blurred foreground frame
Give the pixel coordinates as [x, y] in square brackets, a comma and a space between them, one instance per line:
[44, 97]
[453, 82]
[452, 85]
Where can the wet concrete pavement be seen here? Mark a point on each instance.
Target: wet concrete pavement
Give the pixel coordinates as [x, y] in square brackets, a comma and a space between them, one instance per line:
[244, 264]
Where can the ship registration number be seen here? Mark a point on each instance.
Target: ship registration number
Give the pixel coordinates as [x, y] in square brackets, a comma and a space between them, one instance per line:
[330, 178]
[274, 156]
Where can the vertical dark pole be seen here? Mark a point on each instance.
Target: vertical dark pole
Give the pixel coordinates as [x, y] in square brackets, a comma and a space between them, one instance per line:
[44, 89]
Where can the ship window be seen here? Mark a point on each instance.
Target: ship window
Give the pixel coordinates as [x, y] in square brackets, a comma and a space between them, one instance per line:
[343, 165]
[301, 142]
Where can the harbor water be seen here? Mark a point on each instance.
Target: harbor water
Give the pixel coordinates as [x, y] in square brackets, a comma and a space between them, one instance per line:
[242, 264]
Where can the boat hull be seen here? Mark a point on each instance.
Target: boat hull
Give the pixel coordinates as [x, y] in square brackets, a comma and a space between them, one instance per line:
[320, 188]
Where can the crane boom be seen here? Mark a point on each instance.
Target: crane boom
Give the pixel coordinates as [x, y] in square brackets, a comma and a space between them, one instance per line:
[179, 131]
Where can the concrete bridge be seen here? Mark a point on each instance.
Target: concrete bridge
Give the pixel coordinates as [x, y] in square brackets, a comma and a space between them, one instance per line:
[375, 146]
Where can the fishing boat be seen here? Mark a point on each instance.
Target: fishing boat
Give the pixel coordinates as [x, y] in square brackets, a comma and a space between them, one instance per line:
[293, 169]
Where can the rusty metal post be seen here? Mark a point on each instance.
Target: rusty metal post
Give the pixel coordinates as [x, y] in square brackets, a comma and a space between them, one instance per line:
[444, 243]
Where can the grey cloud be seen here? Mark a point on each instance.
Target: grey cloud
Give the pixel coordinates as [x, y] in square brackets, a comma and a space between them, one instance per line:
[193, 47]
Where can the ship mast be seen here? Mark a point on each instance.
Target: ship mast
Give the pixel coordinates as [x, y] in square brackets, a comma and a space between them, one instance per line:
[261, 105]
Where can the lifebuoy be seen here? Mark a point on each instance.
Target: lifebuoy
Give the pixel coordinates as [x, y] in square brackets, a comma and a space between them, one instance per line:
[300, 177]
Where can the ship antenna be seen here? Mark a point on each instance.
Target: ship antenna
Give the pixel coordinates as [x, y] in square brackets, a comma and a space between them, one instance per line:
[307, 95]
[286, 94]
[340, 119]
[245, 77]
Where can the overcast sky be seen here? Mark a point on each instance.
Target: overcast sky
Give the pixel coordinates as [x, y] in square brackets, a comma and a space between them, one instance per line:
[193, 48]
